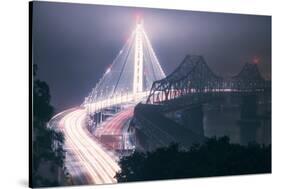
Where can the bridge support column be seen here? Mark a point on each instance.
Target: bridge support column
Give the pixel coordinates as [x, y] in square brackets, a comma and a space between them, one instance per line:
[249, 123]
[192, 118]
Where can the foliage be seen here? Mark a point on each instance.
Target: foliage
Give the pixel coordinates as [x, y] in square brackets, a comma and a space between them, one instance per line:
[46, 142]
[216, 157]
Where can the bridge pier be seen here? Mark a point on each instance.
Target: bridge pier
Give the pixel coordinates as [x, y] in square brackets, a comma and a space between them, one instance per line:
[255, 123]
[156, 126]
[192, 118]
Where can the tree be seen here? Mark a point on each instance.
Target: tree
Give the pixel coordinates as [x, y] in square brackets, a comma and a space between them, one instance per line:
[216, 157]
[46, 142]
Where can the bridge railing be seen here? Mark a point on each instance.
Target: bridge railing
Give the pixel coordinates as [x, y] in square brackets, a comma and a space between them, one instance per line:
[115, 100]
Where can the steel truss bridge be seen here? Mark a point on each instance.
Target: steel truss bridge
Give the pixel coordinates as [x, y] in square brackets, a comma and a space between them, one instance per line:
[194, 77]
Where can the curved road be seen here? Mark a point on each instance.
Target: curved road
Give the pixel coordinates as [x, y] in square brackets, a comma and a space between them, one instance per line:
[112, 133]
[87, 161]
[115, 125]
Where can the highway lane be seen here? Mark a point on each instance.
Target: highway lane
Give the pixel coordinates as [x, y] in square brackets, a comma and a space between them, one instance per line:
[115, 125]
[112, 133]
[87, 161]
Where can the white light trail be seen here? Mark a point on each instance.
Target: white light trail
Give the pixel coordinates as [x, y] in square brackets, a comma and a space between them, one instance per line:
[100, 167]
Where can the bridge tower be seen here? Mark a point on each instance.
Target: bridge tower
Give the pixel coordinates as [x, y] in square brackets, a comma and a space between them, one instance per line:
[130, 76]
[138, 62]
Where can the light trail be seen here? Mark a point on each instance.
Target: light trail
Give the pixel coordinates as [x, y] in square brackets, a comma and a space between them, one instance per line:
[112, 134]
[94, 165]
[115, 125]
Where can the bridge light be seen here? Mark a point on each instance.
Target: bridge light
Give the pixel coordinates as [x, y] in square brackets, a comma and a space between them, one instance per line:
[108, 70]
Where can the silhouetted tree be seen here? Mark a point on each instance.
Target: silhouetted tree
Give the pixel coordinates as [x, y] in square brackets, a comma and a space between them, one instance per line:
[216, 157]
[47, 143]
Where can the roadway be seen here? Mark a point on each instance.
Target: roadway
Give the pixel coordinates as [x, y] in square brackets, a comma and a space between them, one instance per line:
[87, 161]
[114, 126]
[112, 133]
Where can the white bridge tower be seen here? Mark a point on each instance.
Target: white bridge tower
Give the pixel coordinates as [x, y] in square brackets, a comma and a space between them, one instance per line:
[138, 62]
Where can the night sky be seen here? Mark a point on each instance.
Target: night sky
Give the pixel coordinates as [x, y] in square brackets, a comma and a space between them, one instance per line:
[73, 44]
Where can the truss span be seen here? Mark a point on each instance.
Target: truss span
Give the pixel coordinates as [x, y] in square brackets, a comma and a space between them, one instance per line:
[193, 76]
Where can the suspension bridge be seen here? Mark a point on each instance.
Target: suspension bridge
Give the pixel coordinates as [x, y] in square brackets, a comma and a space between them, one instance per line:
[130, 76]
[99, 130]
